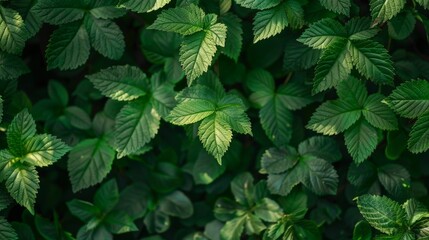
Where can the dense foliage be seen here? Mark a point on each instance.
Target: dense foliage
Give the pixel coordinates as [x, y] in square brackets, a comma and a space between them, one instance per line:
[214, 119]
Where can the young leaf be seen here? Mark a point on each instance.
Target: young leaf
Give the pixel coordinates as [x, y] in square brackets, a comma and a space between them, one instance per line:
[122, 83]
[136, 124]
[322, 33]
[43, 150]
[338, 6]
[68, 47]
[378, 114]
[382, 213]
[144, 6]
[89, 163]
[384, 10]
[12, 39]
[258, 4]
[270, 22]
[191, 111]
[419, 135]
[21, 129]
[361, 140]
[58, 12]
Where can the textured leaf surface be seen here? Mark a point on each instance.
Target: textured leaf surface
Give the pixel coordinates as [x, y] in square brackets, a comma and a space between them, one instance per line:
[378, 114]
[20, 130]
[384, 10]
[276, 121]
[321, 147]
[191, 111]
[322, 33]
[12, 28]
[43, 150]
[410, 99]
[395, 179]
[352, 90]
[11, 66]
[234, 37]
[321, 177]
[419, 135]
[360, 28]
[258, 4]
[144, 6]
[6, 230]
[268, 23]
[338, 6]
[361, 140]
[59, 12]
[276, 160]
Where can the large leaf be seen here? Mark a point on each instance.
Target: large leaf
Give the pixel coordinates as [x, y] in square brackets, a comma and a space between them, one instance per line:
[11, 66]
[13, 33]
[6, 230]
[359, 28]
[136, 124]
[320, 176]
[59, 12]
[382, 213]
[89, 163]
[144, 6]
[234, 37]
[191, 111]
[68, 47]
[106, 9]
[122, 83]
[361, 140]
[410, 99]
[384, 10]
[299, 56]
[352, 90]
[395, 179]
[321, 147]
[276, 120]
[275, 161]
[20, 130]
[270, 22]
[43, 150]
[419, 135]
[258, 4]
[378, 114]
[338, 6]
[322, 33]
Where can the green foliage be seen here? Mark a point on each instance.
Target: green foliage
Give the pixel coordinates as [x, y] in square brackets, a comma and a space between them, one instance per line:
[138, 138]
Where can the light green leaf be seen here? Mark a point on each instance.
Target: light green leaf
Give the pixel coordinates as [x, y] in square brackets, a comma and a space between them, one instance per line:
[334, 66]
[68, 47]
[419, 135]
[21, 129]
[6, 230]
[352, 90]
[89, 163]
[11, 66]
[268, 23]
[232, 110]
[268, 210]
[191, 111]
[58, 12]
[320, 175]
[378, 114]
[254, 225]
[321, 34]
[372, 60]
[183, 20]
[12, 39]
[384, 10]
[382, 213]
[233, 229]
[359, 28]
[410, 99]
[395, 179]
[32, 21]
[122, 83]
[276, 120]
[402, 25]
[423, 3]
[295, 13]
[118, 222]
[234, 34]
[361, 140]
[43, 150]
[22, 182]
[144, 6]
[338, 6]
[415, 211]
[258, 4]
[321, 147]
[136, 124]
[106, 37]
[215, 135]
[333, 117]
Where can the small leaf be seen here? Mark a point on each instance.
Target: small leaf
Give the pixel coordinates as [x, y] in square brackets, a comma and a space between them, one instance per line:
[107, 196]
[338, 6]
[177, 204]
[361, 140]
[191, 111]
[419, 135]
[276, 120]
[322, 33]
[103, 9]
[234, 37]
[320, 176]
[378, 114]
[270, 22]
[276, 160]
[359, 28]
[395, 179]
[362, 231]
[401, 26]
[11, 66]
[233, 229]
[321, 147]
[82, 210]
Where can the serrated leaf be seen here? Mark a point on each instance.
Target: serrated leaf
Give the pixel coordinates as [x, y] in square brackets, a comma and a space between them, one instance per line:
[410, 99]
[361, 140]
[359, 28]
[162, 96]
[107, 196]
[122, 83]
[106, 9]
[283, 183]
[118, 222]
[395, 179]
[232, 110]
[334, 66]
[295, 13]
[378, 114]
[338, 6]
[382, 213]
[294, 96]
[11, 66]
[68, 47]
[12, 39]
[191, 111]
[268, 23]
[89, 163]
[233, 229]
[352, 90]
[234, 34]
[333, 117]
[415, 211]
[321, 34]
[144, 6]
[32, 21]
[215, 135]
[321, 147]
[21, 129]
[372, 60]
[58, 12]
[402, 25]
[384, 10]
[22, 182]
[82, 209]
[275, 160]
[419, 135]
[106, 37]
[423, 3]
[320, 176]
[258, 4]
[299, 56]
[136, 124]
[362, 231]
[43, 150]
[6, 230]
[183, 20]
[276, 120]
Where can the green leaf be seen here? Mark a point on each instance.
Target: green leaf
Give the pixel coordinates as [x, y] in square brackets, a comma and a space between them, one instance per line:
[205, 169]
[6, 230]
[321, 147]
[378, 114]
[361, 140]
[215, 135]
[118, 222]
[233, 229]
[232, 110]
[373, 61]
[78, 117]
[22, 182]
[89, 163]
[243, 189]
[43, 150]
[136, 124]
[12, 39]
[382, 213]
[11, 66]
[293, 96]
[334, 66]
[183, 20]
[423, 3]
[333, 117]
[299, 56]
[198, 49]
[320, 175]
[261, 82]
[82, 210]
[402, 25]
[359, 28]
[234, 37]
[352, 90]
[21, 129]
[338, 6]
[68, 47]
[321, 34]
[163, 95]
[415, 211]
[362, 231]
[58, 12]
[283, 184]
[191, 111]
[395, 179]
[410, 99]
[384, 10]
[275, 161]
[176, 204]
[144, 6]
[32, 21]
[107, 196]
[258, 4]
[122, 83]
[106, 9]
[268, 23]
[419, 135]
[268, 210]
[276, 120]
[106, 37]
[58, 93]
[295, 13]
